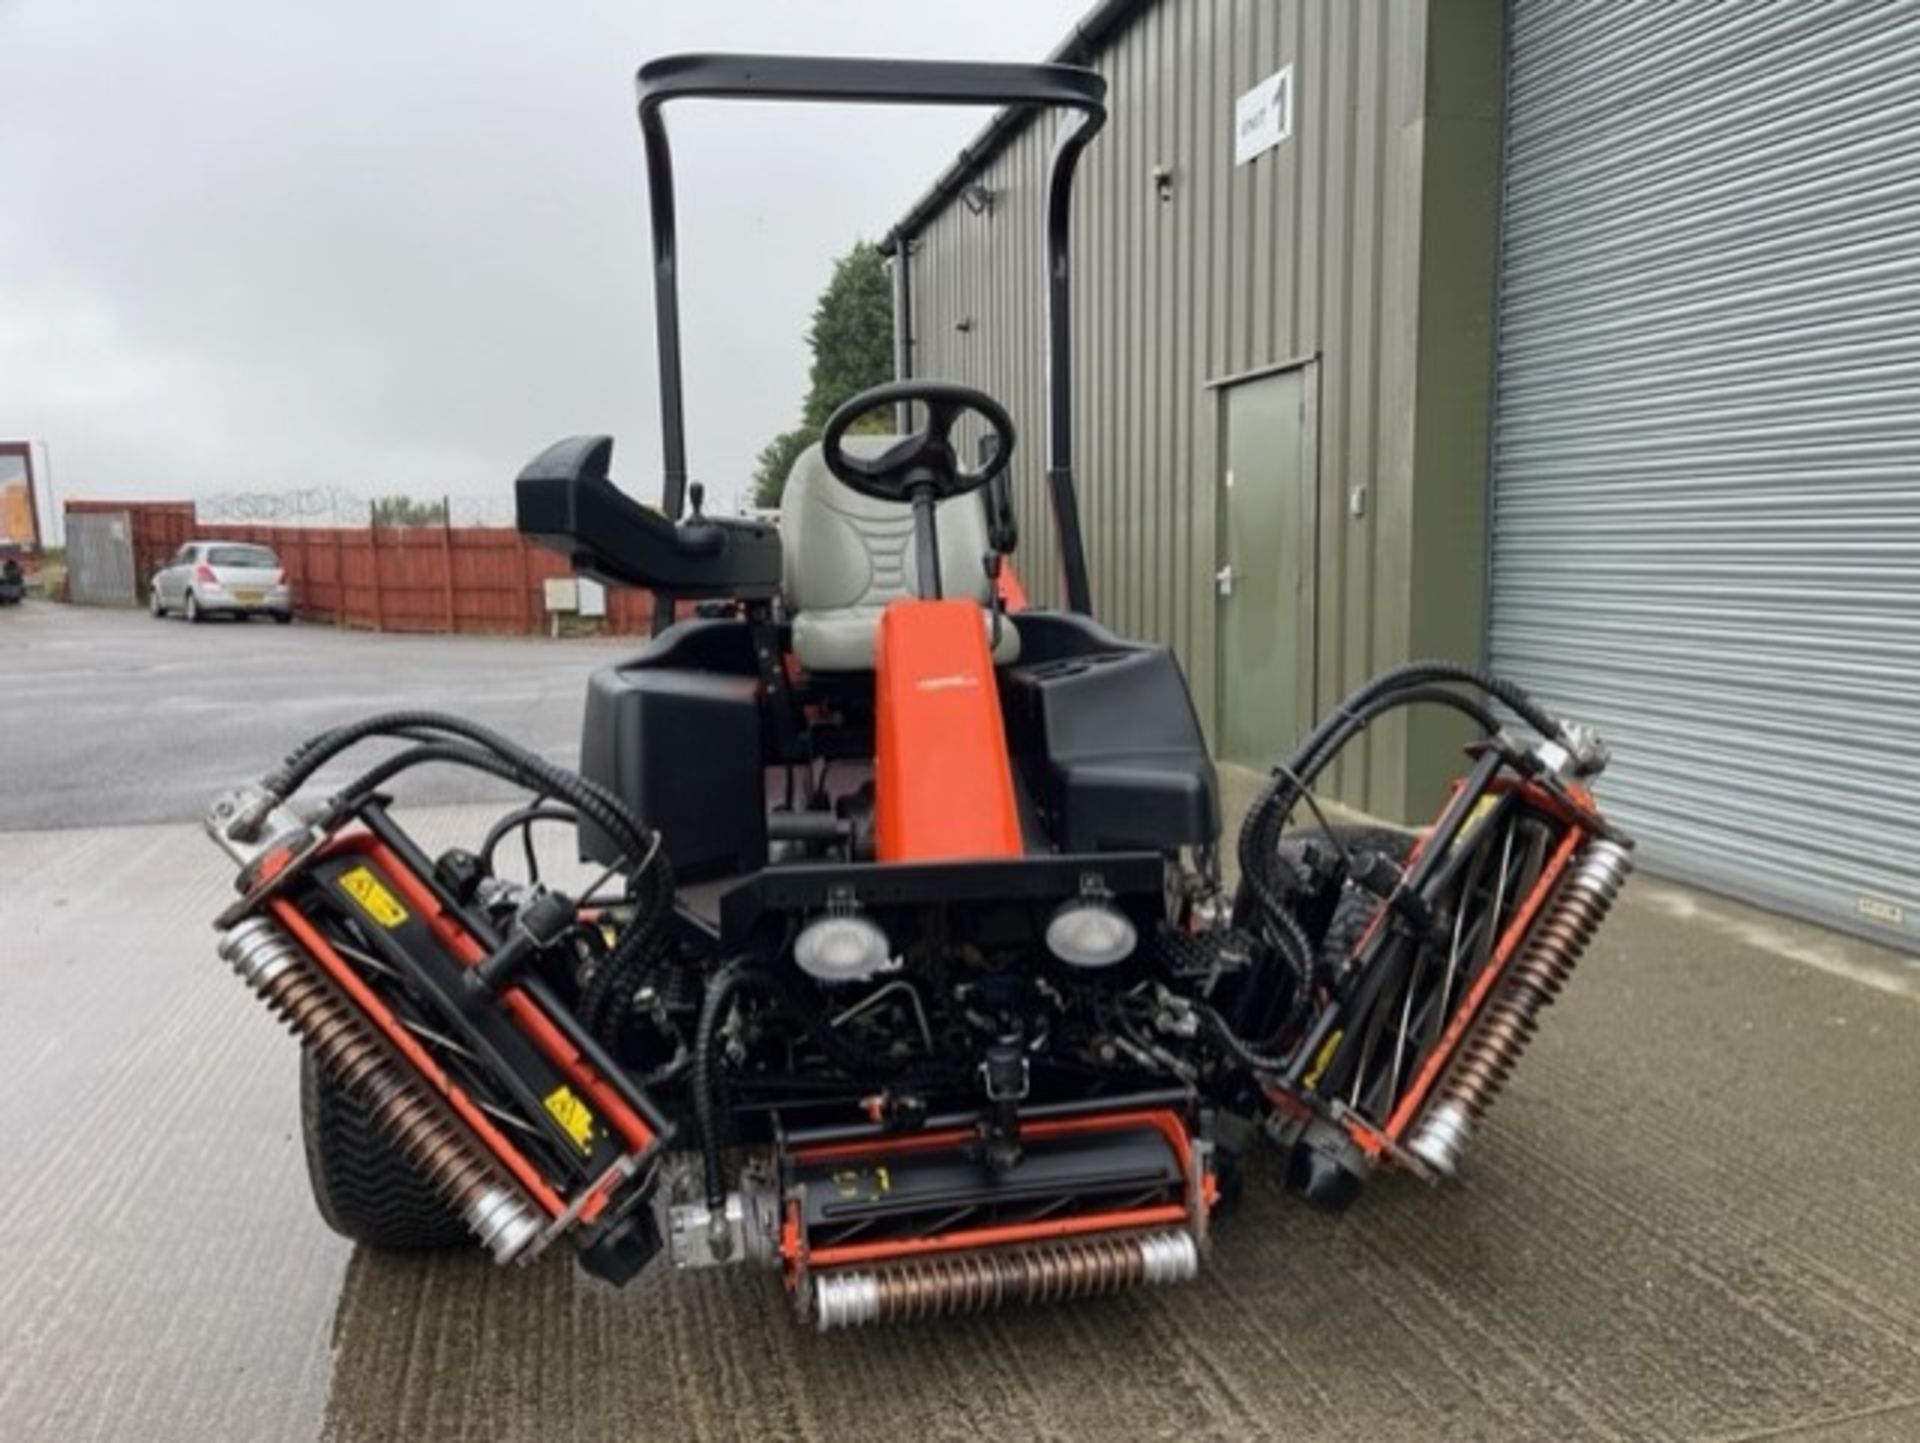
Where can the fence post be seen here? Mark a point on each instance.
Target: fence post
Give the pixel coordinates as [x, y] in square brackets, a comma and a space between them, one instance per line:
[339, 571]
[373, 558]
[446, 558]
[527, 619]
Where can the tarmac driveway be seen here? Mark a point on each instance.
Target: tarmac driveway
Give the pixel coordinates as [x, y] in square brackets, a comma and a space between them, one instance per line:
[116, 718]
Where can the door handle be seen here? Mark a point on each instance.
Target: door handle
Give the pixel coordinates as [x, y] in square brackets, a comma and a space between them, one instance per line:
[1223, 580]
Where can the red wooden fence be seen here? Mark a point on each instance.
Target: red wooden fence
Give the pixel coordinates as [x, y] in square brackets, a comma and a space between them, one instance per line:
[416, 578]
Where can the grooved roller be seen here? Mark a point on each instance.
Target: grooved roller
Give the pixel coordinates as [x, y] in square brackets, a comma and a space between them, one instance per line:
[412, 1117]
[1047, 1272]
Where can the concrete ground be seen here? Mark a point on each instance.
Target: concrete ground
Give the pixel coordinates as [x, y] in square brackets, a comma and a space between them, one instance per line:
[1693, 1216]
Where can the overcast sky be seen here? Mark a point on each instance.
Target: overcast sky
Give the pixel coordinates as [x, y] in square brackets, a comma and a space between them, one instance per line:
[254, 246]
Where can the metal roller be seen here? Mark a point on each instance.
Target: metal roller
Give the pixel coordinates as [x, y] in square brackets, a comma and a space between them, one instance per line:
[273, 965]
[974, 1282]
[1486, 1060]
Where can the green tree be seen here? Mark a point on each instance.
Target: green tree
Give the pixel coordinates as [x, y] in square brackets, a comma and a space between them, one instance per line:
[852, 342]
[391, 511]
[776, 460]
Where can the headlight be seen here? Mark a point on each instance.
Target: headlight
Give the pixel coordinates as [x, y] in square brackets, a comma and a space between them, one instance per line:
[842, 947]
[1091, 932]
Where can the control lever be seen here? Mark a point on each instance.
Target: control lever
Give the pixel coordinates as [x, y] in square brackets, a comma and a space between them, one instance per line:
[697, 535]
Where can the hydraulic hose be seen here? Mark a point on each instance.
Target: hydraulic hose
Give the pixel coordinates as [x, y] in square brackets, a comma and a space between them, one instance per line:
[1232, 1044]
[706, 1102]
[1416, 683]
[792, 999]
[1260, 832]
[453, 740]
[534, 771]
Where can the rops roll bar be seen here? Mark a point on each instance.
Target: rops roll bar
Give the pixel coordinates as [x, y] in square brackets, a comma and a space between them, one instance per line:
[895, 82]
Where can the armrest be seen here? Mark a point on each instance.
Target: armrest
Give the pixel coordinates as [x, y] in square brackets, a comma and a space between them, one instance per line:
[564, 500]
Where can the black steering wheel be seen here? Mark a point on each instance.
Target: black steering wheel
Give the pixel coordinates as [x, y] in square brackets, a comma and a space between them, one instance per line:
[924, 463]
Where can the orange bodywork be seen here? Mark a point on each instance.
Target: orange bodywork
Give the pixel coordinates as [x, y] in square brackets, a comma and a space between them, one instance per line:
[1013, 596]
[942, 777]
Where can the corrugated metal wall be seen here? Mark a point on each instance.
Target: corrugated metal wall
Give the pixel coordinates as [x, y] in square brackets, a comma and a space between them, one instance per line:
[1707, 467]
[100, 559]
[1312, 250]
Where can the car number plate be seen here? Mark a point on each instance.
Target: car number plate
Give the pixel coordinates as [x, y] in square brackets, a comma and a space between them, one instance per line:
[249, 598]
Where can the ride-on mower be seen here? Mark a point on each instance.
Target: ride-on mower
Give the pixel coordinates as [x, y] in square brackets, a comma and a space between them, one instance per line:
[911, 924]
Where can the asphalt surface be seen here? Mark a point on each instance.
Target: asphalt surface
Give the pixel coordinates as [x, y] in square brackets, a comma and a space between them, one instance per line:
[1692, 1216]
[118, 718]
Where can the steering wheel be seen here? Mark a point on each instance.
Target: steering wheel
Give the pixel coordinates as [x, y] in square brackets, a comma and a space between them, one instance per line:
[923, 463]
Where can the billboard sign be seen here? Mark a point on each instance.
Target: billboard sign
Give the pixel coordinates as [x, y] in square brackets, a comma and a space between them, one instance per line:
[19, 518]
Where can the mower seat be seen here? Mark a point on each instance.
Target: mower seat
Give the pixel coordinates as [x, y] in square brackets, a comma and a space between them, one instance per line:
[846, 556]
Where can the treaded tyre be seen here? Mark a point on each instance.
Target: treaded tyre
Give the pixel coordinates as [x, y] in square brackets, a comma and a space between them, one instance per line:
[365, 1190]
[1356, 909]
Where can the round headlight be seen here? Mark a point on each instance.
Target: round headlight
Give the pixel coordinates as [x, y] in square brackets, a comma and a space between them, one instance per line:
[846, 948]
[1085, 933]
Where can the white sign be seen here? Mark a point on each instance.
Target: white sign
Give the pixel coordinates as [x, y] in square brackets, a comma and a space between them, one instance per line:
[593, 597]
[1263, 117]
[563, 593]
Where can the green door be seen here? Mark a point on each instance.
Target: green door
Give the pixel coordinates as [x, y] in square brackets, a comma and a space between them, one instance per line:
[1264, 580]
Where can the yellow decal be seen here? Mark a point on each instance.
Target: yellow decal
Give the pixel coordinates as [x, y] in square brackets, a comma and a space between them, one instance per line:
[572, 1115]
[1474, 818]
[851, 1183]
[1325, 1058]
[374, 898]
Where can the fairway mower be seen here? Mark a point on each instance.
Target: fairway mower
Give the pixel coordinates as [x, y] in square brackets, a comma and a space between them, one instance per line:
[910, 968]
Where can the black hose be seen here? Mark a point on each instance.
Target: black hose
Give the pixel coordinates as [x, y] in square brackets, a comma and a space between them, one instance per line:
[1232, 1044]
[792, 999]
[523, 820]
[1260, 830]
[1284, 934]
[453, 740]
[1416, 683]
[706, 1102]
[537, 773]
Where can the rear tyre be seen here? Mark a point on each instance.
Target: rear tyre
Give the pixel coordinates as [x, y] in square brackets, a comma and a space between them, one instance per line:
[1355, 913]
[364, 1188]
[281, 618]
[194, 613]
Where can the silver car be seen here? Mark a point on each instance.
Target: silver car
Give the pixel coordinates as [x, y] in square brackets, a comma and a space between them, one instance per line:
[209, 578]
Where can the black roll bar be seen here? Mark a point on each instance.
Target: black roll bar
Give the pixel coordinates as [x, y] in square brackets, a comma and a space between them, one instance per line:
[887, 82]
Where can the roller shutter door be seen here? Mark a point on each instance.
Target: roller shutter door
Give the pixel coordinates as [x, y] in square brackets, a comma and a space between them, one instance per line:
[1706, 518]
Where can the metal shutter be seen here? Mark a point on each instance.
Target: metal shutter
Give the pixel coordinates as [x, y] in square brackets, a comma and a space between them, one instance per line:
[1706, 520]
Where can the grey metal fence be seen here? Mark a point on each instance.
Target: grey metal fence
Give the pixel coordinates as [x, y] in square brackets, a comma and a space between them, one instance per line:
[100, 559]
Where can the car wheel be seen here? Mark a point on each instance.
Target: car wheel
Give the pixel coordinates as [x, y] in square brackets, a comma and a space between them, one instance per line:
[194, 613]
[364, 1188]
[154, 604]
[281, 618]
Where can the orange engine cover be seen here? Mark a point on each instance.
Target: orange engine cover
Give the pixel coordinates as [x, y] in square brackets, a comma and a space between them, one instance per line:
[943, 782]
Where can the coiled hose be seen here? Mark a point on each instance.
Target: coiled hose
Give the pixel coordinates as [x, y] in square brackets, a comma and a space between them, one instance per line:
[1416, 683]
[1428, 683]
[439, 737]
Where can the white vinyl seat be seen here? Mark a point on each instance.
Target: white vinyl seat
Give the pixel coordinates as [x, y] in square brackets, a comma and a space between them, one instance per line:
[845, 556]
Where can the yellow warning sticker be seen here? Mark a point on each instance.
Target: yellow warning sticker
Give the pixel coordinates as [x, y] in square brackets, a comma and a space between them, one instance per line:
[572, 1115]
[864, 1184]
[1325, 1060]
[1475, 817]
[374, 898]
